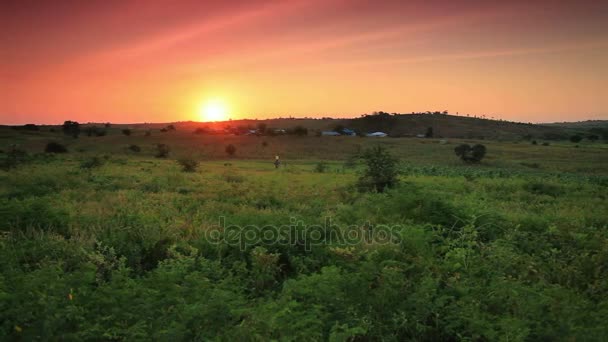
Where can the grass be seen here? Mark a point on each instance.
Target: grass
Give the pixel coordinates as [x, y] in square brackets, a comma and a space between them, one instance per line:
[128, 249]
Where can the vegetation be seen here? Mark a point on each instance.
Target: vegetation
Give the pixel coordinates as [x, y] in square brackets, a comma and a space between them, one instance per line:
[188, 164]
[54, 147]
[381, 170]
[162, 151]
[231, 150]
[514, 248]
[470, 154]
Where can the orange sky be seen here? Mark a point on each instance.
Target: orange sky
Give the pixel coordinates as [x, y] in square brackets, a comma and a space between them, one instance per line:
[160, 61]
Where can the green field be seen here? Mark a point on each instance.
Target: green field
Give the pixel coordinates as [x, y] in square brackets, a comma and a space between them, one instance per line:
[127, 246]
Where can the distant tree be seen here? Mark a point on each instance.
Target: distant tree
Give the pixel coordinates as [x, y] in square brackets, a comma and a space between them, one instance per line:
[126, 132]
[300, 131]
[164, 130]
[470, 154]
[134, 148]
[381, 169]
[534, 142]
[53, 147]
[340, 128]
[162, 151]
[593, 137]
[200, 130]
[171, 128]
[429, 132]
[107, 125]
[576, 138]
[148, 133]
[231, 150]
[71, 128]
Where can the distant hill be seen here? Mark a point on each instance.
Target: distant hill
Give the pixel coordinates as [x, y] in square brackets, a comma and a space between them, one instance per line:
[407, 125]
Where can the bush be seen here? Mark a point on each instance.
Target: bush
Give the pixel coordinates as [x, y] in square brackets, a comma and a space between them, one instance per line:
[14, 157]
[470, 154]
[162, 151]
[126, 131]
[321, 167]
[381, 170]
[91, 163]
[545, 144]
[188, 164]
[231, 150]
[71, 128]
[147, 134]
[576, 138]
[534, 142]
[134, 148]
[53, 147]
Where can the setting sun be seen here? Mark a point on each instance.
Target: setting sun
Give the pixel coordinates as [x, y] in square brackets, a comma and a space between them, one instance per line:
[214, 111]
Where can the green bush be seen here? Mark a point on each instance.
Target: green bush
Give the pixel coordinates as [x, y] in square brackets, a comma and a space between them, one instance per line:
[470, 154]
[188, 164]
[381, 170]
[321, 167]
[53, 147]
[162, 151]
[91, 163]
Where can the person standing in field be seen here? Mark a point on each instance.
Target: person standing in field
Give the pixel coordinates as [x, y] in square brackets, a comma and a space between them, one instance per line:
[277, 162]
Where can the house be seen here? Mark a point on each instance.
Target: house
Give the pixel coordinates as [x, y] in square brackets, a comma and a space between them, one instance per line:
[420, 136]
[377, 134]
[330, 134]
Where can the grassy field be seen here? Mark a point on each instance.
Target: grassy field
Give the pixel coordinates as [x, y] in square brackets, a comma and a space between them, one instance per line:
[130, 247]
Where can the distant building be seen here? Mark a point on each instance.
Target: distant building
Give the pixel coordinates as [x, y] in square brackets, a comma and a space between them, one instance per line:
[420, 136]
[330, 134]
[377, 135]
[349, 132]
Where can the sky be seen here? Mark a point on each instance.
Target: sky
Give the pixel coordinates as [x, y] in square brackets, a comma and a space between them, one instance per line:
[165, 61]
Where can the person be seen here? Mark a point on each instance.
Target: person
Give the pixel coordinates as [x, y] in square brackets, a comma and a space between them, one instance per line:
[277, 162]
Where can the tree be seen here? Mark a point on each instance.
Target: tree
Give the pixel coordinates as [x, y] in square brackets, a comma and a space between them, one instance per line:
[126, 132]
[71, 128]
[576, 138]
[429, 132]
[300, 131]
[54, 147]
[231, 150]
[381, 170]
[470, 154]
[162, 151]
[593, 137]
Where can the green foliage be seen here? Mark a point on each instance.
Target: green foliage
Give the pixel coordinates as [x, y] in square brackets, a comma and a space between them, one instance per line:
[470, 154]
[53, 147]
[188, 164]
[381, 170]
[162, 151]
[12, 158]
[321, 167]
[92, 163]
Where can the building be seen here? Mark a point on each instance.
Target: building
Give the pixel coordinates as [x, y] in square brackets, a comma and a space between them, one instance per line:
[330, 134]
[376, 135]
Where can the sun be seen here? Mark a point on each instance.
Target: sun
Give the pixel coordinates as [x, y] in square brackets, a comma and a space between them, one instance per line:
[214, 111]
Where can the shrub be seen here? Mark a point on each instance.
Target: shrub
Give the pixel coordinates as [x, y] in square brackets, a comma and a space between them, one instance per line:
[470, 154]
[71, 128]
[231, 150]
[593, 137]
[134, 148]
[126, 131]
[91, 163]
[14, 157]
[576, 138]
[381, 170]
[320, 167]
[188, 164]
[53, 147]
[147, 134]
[534, 142]
[162, 151]
[545, 144]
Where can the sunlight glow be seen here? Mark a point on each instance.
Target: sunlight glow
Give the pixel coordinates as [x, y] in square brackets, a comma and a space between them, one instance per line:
[214, 110]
